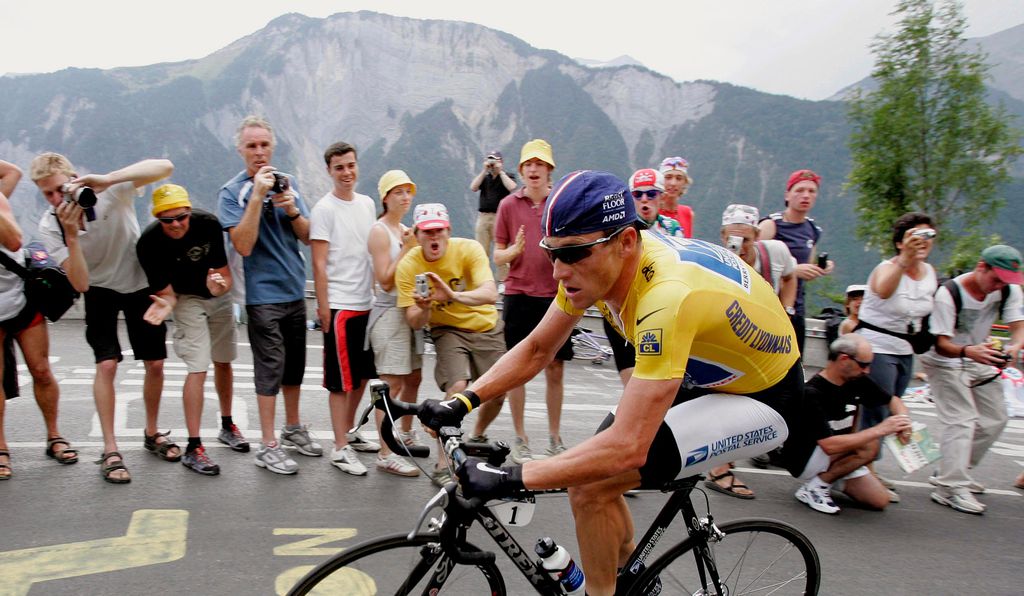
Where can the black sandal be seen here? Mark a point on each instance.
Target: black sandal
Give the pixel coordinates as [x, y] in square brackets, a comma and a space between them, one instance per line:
[729, 489]
[60, 455]
[7, 466]
[109, 468]
[160, 449]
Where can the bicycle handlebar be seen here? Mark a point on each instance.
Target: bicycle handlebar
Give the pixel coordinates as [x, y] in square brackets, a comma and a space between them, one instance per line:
[455, 506]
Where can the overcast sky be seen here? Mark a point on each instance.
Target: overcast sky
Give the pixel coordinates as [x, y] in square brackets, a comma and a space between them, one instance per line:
[804, 48]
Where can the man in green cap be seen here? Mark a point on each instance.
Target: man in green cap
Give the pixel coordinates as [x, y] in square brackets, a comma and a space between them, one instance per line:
[964, 366]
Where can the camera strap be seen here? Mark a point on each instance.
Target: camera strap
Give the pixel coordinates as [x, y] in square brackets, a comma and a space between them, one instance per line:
[13, 266]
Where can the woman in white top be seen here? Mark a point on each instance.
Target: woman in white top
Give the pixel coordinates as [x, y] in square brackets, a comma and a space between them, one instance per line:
[899, 295]
[394, 347]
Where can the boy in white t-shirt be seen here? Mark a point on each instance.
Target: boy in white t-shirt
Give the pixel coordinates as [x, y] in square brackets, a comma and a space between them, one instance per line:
[343, 278]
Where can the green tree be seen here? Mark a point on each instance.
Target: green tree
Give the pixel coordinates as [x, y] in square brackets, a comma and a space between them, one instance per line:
[926, 139]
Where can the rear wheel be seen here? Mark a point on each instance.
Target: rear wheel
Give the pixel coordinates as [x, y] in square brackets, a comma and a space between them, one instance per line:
[755, 557]
[396, 565]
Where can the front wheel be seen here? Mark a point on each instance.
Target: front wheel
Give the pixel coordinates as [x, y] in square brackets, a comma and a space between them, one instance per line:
[756, 556]
[397, 565]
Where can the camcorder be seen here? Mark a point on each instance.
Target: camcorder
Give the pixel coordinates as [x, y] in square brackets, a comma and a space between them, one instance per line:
[823, 260]
[926, 233]
[491, 161]
[281, 184]
[83, 196]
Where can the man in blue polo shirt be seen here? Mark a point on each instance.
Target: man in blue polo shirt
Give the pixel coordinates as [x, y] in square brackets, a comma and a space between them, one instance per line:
[266, 231]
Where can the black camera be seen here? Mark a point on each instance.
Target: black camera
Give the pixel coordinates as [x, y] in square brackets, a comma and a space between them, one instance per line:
[83, 196]
[281, 183]
[823, 260]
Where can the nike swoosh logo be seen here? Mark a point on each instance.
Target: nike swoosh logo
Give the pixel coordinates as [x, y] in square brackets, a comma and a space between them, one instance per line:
[644, 318]
[485, 467]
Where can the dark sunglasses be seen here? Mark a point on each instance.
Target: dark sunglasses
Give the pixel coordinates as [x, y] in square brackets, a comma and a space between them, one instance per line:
[859, 363]
[179, 217]
[650, 194]
[574, 253]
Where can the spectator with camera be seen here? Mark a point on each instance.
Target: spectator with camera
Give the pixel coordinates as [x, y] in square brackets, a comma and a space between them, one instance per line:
[824, 447]
[90, 230]
[493, 184]
[183, 255]
[771, 259]
[265, 217]
[898, 297]
[964, 366]
[446, 283]
[800, 234]
[529, 288]
[343, 276]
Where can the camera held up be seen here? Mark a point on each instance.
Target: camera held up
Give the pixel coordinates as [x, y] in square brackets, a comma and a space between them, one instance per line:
[83, 196]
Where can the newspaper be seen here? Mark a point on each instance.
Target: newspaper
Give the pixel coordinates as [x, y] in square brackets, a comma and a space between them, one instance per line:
[916, 454]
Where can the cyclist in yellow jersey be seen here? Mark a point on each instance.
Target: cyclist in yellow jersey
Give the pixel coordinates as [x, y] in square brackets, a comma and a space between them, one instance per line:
[716, 365]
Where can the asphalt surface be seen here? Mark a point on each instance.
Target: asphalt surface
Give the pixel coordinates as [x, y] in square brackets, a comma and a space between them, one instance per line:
[247, 531]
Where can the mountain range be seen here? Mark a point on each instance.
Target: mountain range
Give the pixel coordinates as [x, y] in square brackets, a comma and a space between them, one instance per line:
[433, 97]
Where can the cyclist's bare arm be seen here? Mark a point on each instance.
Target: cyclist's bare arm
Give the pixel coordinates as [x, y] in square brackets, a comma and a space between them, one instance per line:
[528, 357]
[620, 448]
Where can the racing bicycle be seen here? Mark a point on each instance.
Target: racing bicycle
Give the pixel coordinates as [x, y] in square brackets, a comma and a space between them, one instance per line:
[747, 556]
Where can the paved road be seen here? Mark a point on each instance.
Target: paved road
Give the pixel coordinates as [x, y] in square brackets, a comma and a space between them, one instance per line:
[64, 531]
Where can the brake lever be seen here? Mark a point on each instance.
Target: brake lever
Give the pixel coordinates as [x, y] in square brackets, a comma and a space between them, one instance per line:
[362, 419]
[438, 500]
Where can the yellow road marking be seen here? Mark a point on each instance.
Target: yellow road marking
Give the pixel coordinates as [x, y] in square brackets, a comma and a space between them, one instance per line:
[311, 546]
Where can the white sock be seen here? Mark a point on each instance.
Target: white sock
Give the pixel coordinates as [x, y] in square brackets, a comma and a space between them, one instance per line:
[817, 482]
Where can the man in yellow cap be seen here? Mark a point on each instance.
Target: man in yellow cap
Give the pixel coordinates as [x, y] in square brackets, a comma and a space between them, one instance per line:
[529, 289]
[183, 255]
[91, 222]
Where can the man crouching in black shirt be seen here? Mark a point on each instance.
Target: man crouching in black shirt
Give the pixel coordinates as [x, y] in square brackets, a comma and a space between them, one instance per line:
[821, 449]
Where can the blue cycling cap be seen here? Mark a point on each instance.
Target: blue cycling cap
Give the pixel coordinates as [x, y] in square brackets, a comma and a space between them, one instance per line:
[587, 201]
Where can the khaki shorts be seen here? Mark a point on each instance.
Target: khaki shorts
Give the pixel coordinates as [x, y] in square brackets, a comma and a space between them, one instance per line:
[204, 330]
[465, 355]
[393, 343]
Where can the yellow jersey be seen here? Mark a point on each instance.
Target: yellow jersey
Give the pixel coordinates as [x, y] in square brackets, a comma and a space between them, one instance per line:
[695, 310]
[464, 266]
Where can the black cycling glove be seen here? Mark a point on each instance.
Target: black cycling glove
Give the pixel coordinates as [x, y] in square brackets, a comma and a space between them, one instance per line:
[480, 479]
[434, 414]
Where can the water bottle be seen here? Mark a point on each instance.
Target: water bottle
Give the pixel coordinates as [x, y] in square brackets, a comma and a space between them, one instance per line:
[560, 566]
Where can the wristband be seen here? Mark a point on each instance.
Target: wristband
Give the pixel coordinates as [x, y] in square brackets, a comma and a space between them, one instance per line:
[514, 478]
[465, 400]
[294, 217]
[963, 352]
[474, 399]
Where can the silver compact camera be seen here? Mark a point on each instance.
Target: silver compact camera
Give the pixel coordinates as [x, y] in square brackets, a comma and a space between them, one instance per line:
[422, 285]
[926, 233]
[734, 243]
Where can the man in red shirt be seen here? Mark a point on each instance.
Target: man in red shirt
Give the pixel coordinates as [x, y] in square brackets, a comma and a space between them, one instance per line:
[530, 286]
[677, 182]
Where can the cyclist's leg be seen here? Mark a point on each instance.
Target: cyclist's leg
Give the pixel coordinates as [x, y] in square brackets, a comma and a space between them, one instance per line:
[604, 528]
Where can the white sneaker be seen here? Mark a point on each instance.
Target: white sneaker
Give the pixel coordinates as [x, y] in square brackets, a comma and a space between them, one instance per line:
[960, 499]
[973, 486]
[409, 439]
[817, 498]
[345, 460]
[357, 442]
[396, 464]
[271, 457]
[521, 452]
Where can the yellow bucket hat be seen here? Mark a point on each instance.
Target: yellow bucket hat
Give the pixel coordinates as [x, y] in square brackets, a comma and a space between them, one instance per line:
[538, 148]
[390, 180]
[169, 196]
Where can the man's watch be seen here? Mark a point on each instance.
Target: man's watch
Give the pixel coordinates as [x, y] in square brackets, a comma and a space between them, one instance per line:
[790, 310]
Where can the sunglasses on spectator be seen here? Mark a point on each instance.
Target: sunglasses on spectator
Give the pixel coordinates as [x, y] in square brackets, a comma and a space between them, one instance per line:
[574, 253]
[173, 218]
[650, 194]
[863, 365]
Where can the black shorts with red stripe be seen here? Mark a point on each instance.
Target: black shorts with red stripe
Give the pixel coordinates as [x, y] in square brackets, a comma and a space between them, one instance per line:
[346, 364]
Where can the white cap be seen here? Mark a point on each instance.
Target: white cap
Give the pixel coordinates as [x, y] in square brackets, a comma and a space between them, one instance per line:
[740, 214]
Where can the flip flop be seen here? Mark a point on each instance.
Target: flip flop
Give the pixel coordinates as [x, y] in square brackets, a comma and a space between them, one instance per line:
[729, 489]
[60, 455]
